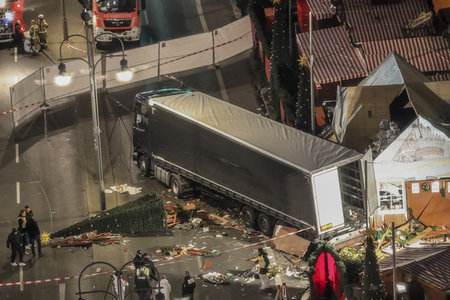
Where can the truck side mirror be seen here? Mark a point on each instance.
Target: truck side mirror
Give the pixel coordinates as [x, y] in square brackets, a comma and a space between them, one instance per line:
[142, 5]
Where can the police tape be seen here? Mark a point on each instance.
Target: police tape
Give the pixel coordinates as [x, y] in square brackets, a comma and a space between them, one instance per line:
[49, 280]
[158, 262]
[164, 63]
[20, 108]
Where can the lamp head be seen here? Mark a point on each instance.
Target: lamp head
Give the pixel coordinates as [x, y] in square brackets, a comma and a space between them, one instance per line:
[124, 74]
[63, 78]
[85, 16]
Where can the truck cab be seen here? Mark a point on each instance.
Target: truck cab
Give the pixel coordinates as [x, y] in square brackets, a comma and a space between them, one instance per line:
[142, 148]
[120, 17]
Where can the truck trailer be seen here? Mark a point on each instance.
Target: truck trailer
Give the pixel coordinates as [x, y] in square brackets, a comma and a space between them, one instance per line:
[189, 140]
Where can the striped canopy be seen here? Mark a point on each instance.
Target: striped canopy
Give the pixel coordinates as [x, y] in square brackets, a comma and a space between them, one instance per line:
[335, 59]
[427, 54]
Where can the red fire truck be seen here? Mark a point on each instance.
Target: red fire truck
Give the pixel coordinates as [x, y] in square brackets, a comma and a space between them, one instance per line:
[120, 17]
[10, 12]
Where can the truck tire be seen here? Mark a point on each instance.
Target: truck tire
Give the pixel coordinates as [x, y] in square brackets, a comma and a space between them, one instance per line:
[248, 216]
[175, 186]
[143, 165]
[265, 224]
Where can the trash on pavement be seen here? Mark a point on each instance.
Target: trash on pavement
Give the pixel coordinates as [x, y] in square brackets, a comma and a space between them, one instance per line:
[87, 239]
[214, 278]
[125, 188]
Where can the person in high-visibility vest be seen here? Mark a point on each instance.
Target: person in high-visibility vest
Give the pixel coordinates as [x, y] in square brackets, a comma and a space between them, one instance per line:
[142, 283]
[42, 31]
[34, 32]
[263, 262]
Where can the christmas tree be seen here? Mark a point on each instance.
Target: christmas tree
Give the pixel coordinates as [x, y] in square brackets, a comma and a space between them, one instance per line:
[373, 288]
[141, 215]
[282, 77]
[303, 107]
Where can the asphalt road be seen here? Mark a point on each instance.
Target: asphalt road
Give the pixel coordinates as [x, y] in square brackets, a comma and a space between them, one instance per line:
[56, 176]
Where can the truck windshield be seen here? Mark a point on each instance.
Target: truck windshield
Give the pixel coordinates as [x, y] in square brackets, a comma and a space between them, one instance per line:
[115, 6]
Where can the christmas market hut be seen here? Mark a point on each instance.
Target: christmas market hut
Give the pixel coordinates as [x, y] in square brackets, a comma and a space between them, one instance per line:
[404, 117]
[425, 268]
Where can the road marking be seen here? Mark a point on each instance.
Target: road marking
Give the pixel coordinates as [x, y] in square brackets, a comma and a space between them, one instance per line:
[15, 54]
[201, 16]
[145, 17]
[221, 83]
[18, 192]
[62, 291]
[17, 153]
[21, 278]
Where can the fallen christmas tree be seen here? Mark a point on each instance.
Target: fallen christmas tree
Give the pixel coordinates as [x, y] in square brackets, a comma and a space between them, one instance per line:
[141, 215]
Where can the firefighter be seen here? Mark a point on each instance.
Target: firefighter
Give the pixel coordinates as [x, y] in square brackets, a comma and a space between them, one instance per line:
[42, 25]
[34, 34]
[142, 282]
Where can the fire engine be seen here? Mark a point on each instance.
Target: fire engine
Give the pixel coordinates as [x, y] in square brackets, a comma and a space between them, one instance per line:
[10, 12]
[120, 17]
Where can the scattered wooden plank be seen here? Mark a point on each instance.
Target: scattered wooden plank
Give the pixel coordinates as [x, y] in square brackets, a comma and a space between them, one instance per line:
[189, 206]
[214, 216]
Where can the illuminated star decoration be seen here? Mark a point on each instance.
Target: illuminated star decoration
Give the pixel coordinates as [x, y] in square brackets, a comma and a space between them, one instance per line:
[302, 61]
[276, 1]
[45, 237]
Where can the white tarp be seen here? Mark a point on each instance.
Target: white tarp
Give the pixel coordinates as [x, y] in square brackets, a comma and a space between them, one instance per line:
[232, 39]
[143, 62]
[186, 53]
[26, 97]
[170, 56]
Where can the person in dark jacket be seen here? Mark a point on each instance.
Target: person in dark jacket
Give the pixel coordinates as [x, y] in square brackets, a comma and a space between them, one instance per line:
[188, 287]
[14, 243]
[138, 259]
[22, 228]
[35, 235]
[142, 282]
[18, 37]
[28, 211]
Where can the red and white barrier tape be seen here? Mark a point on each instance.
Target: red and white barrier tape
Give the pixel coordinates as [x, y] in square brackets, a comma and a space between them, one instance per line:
[48, 280]
[20, 108]
[162, 262]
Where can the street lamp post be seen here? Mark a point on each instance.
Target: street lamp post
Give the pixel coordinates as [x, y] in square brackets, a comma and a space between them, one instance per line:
[64, 79]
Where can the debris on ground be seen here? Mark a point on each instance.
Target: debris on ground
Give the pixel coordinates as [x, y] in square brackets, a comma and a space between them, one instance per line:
[214, 278]
[87, 239]
[178, 251]
[124, 188]
[207, 265]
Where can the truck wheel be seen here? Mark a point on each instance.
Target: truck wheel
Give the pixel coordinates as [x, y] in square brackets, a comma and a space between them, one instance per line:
[248, 217]
[143, 165]
[265, 224]
[175, 186]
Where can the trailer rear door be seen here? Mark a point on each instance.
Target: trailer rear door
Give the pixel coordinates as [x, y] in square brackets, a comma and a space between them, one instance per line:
[327, 196]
